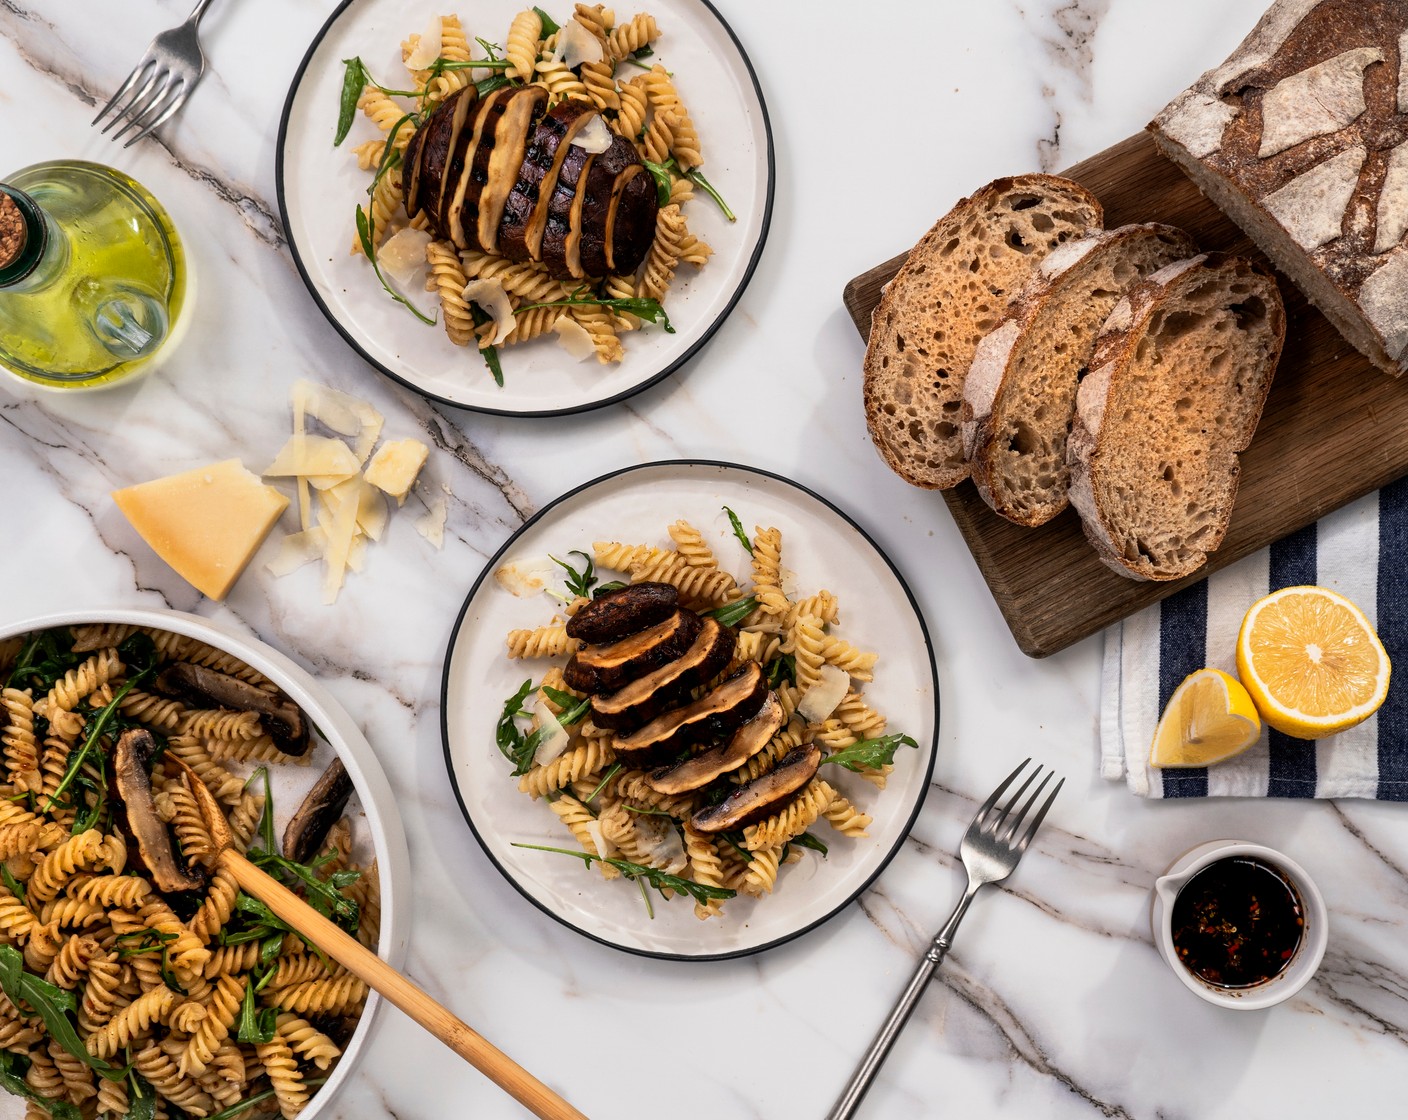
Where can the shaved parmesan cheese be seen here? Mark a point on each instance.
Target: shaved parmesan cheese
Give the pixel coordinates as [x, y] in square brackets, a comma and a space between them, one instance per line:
[371, 512]
[604, 847]
[402, 257]
[787, 581]
[298, 549]
[821, 699]
[494, 302]
[663, 847]
[313, 455]
[576, 45]
[555, 737]
[395, 465]
[431, 525]
[574, 338]
[357, 554]
[594, 136]
[340, 534]
[525, 578]
[428, 49]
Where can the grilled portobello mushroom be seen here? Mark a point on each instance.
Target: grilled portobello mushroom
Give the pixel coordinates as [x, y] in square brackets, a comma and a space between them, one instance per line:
[597, 669]
[526, 210]
[764, 795]
[645, 698]
[618, 614]
[720, 711]
[698, 771]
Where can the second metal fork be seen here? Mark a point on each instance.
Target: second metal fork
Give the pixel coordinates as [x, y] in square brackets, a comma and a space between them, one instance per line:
[990, 850]
[160, 83]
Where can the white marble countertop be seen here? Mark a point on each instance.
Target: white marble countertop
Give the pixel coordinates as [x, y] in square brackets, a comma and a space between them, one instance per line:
[1053, 1003]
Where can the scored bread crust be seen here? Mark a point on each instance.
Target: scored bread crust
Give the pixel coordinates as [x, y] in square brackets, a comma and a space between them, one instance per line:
[1020, 393]
[1133, 447]
[1301, 137]
[953, 288]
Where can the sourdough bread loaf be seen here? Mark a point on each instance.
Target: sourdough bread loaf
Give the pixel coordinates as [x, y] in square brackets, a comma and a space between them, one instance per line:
[1176, 387]
[1301, 136]
[1020, 393]
[953, 289]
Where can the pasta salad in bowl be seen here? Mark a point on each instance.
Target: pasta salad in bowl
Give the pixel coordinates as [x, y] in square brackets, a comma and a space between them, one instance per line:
[685, 708]
[134, 978]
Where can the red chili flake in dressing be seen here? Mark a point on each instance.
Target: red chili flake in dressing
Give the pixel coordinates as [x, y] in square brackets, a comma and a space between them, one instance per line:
[1237, 922]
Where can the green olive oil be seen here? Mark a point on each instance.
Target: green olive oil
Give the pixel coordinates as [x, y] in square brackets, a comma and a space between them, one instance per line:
[98, 281]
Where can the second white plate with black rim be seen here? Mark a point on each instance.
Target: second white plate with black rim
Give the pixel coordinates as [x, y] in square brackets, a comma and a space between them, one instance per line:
[825, 549]
[319, 187]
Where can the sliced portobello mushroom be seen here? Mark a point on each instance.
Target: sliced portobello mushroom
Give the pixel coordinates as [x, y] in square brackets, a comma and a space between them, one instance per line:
[308, 828]
[278, 715]
[562, 232]
[618, 614]
[429, 154]
[526, 208]
[609, 667]
[131, 757]
[698, 771]
[645, 698]
[500, 163]
[464, 178]
[630, 224]
[596, 203]
[720, 711]
[764, 795]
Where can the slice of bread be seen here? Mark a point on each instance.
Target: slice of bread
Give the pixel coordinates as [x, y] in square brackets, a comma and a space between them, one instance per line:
[952, 290]
[1020, 393]
[1176, 387]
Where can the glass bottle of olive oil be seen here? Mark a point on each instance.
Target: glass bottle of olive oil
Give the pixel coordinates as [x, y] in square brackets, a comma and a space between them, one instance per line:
[92, 274]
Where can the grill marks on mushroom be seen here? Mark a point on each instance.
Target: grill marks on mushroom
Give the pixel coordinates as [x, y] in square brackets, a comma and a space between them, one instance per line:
[643, 695]
[501, 174]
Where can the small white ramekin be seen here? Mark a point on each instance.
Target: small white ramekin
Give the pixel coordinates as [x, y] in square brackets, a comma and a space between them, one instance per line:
[1308, 954]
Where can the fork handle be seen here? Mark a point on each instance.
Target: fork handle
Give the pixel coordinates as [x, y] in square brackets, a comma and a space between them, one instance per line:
[869, 1066]
[198, 11]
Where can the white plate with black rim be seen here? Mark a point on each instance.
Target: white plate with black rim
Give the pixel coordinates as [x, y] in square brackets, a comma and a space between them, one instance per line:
[826, 549]
[320, 186]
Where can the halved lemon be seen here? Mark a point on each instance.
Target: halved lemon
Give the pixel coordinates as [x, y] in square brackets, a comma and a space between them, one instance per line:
[1311, 661]
[1209, 718]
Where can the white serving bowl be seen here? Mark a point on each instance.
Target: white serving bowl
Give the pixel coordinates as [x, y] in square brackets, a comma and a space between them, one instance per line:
[379, 831]
[1309, 952]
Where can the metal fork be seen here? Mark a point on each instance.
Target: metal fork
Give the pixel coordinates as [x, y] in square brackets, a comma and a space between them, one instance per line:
[991, 850]
[160, 83]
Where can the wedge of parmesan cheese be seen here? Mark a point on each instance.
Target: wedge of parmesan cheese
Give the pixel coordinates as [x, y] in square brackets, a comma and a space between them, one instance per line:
[206, 523]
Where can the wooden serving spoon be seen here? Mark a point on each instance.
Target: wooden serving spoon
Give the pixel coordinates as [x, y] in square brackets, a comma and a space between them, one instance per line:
[497, 1066]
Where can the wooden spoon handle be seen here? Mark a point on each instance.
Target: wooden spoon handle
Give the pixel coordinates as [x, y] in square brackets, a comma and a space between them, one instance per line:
[497, 1066]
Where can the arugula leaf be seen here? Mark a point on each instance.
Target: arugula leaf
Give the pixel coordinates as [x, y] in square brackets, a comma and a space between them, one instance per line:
[13, 1068]
[647, 51]
[660, 880]
[641, 307]
[255, 1024]
[507, 734]
[615, 769]
[138, 651]
[43, 660]
[573, 707]
[141, 1101]
[870, 753]
[734, 613]
[97, 727]
[579, 583]
[488, 85]
[265, 829]
[695, 176]
[550, 25]
[324, 895]
[52, 1004]
[614, 585]
[490, 354]
[782, 669]
[354, 80]
[366, 224]
[807, 840]
[738, 530]
[13, 885]
[735, 841]
[663, 180]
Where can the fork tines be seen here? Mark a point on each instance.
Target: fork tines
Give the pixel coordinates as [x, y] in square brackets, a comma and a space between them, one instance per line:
[147, 103]
[1003, 824]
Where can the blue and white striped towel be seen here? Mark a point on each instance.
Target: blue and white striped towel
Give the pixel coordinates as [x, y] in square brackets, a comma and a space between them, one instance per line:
[1360, 551]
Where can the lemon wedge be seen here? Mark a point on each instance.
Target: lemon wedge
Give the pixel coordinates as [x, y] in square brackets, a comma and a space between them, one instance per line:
[1209, 718]
[1311, 661]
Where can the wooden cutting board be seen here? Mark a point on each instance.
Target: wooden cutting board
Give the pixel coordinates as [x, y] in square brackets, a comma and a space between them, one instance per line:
[1334, 429]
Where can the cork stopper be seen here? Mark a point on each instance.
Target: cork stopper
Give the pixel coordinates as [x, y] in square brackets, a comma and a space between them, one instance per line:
[12, 231]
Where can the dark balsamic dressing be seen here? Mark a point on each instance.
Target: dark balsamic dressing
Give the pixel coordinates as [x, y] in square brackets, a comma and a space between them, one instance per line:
[1237, 922]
